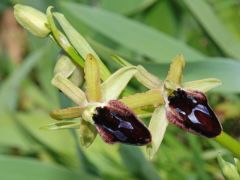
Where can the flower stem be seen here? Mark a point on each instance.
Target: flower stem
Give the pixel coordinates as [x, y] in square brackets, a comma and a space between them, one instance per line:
[230, 143]
[62, 40]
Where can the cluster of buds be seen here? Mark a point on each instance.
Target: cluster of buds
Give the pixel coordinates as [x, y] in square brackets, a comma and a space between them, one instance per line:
[100, 110]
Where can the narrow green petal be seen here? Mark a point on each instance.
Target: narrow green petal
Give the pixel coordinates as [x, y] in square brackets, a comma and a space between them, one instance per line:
[62, 125]
[142, 75]
[144, 112]
[67, 113]
[115, 84]
[69, 89]
[147, 79]
[88, 133]
[92, 77]
[157, 126]
[150, 98]
[176, 69]
[80, 44]
[202, 85]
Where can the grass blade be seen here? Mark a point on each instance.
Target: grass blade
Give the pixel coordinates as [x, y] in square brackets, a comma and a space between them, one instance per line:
[214, 27]
[131, 34]
[9, 88]
[32, 169]
[223, 69]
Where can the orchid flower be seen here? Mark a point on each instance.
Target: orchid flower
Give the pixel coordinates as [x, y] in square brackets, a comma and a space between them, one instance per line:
[181, 104]
[98, 109]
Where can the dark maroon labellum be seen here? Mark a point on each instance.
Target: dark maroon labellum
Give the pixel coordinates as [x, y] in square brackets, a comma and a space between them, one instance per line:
[117, 123]
[190, 111]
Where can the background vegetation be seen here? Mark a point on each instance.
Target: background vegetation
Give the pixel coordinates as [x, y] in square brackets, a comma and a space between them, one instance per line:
[147, 32]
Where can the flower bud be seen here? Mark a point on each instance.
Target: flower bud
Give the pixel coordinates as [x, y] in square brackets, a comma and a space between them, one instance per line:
[69, 70]
[77, 76]
[64, 66]
[190, 111]
[115, 122]
[32, 20]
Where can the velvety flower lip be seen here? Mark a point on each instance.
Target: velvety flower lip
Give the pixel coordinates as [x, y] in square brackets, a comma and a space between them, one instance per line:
[115, 122]
[190, 111]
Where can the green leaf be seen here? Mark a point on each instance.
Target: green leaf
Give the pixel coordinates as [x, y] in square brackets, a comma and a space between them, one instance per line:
[162, 17]
[130, 34]
[226, 70]
[15, 138]
[53, 142]
[9, 88]
[126, 6]
[196, 156]
[137, 164]
[157, 126]
[31, 169]
[214, 27]
[44, 73]
[35, 97]
[115, 84]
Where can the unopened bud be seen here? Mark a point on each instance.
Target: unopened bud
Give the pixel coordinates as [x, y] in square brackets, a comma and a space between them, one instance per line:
[68, 69]
[77, 76]
[32, 19]
[64, 66]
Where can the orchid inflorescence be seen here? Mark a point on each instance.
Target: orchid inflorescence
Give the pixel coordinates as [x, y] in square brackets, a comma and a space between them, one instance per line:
[98, 108]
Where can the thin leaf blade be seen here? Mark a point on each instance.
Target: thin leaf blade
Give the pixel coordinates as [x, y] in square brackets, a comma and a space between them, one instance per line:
[132, 35]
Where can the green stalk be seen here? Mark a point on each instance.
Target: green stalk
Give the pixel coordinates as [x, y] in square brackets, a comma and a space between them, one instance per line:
[62, 40]
[230, 143]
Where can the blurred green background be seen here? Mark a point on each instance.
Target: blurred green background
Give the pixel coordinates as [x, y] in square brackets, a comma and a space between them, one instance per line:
[147, 32]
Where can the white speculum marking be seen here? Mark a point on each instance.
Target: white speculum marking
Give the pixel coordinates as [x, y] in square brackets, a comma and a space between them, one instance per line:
[192, 116]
